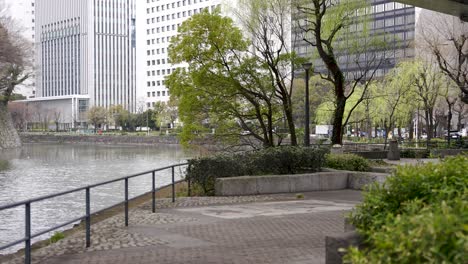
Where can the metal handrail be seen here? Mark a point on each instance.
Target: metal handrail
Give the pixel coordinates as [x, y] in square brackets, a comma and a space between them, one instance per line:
[87, 217]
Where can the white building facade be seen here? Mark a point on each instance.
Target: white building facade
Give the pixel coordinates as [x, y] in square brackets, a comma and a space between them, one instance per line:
[158, 21]
[86, 48]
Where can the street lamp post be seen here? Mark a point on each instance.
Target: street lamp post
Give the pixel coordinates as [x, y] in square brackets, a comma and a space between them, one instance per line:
[307, 67]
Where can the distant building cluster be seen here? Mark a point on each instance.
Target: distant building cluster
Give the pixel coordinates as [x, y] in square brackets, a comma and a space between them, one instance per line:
[115, 52]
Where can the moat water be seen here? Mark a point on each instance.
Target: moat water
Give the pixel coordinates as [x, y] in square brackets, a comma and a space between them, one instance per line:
[42, 169]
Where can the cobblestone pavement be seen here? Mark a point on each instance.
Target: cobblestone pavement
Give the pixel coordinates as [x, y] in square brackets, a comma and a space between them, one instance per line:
[248, 229]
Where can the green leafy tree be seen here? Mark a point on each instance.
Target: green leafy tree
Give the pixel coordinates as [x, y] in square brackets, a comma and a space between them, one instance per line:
[97, 116]
[120, 116]
[223, 88]
[397, 97]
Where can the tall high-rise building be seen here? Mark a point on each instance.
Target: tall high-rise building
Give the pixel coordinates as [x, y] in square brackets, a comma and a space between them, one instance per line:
[86, 53]
[159, 21]
[395, 19]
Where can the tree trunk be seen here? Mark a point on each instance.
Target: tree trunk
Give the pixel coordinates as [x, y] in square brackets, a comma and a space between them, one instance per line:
[9, 137]
[459, 121]
[337, 135]
[411, 130]
[449, 118]
[429, 124]
[290, 121]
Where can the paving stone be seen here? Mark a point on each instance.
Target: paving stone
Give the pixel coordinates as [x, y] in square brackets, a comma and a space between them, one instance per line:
[184, 233]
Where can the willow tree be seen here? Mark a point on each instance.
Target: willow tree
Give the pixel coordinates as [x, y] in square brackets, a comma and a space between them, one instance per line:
[397, 97]
[12, 73]
[339, 33]
[223, 88]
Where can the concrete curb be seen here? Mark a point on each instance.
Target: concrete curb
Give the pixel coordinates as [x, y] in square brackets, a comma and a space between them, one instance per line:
[320, 181]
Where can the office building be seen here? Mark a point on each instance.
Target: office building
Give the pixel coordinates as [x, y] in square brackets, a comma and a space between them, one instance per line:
[86, 54]
[160, 20]
[395, 19]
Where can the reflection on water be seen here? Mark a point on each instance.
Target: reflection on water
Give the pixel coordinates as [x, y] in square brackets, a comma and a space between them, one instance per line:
[41, 169]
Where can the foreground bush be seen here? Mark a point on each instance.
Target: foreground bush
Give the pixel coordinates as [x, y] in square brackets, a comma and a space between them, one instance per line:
[420, 215]
[422, 234]
[270, 161]
[349, 162]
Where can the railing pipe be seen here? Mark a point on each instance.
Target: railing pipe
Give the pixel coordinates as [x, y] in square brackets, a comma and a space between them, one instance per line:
[88, 217]
[27, 234]
[153, 192]
[173, 185]
[126, 201]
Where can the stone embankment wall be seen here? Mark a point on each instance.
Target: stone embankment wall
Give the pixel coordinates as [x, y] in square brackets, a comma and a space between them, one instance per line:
[99, 139]
[8, 136]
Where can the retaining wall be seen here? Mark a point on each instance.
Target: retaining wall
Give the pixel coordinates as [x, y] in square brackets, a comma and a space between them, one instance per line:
[320, 181]
[99, 139]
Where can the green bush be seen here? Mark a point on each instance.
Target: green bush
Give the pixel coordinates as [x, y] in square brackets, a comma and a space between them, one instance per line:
[349, 162]
[415, 153]
[281, 160]
[419, 215]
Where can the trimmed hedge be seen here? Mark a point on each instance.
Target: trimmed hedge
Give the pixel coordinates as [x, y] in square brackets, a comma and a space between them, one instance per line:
[349, 162]
[420, 215]
[280, 160]
[415, 153]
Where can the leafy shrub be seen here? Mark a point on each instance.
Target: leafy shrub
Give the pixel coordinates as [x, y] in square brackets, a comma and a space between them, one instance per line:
[282, 160]
[349, 162]
[419, 215]
[4, 165]
[434, 234]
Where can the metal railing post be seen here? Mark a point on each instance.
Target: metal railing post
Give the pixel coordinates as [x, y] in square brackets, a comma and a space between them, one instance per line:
[27, 233]
[153, 192]
[173, 185]
[88, 218]
[126, 201]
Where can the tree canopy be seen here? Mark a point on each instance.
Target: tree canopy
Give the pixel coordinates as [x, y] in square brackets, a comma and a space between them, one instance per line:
[223, 87]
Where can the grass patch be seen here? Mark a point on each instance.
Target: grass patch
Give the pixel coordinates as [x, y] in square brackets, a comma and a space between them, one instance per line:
[57, 236]
[4, 165]
[300, 196]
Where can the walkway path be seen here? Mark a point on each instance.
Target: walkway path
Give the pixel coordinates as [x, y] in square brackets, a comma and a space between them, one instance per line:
[250, 229]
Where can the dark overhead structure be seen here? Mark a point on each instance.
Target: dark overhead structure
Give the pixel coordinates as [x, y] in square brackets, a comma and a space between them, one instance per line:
[458, 8]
